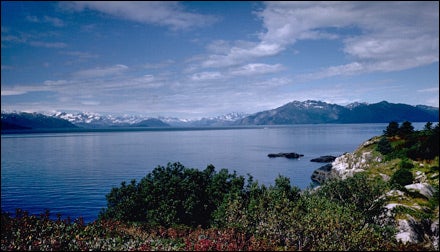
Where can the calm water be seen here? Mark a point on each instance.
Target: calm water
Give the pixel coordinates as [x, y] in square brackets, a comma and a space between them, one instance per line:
[70, 173]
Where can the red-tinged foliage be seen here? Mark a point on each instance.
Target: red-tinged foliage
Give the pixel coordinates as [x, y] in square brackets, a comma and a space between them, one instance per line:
[224, 240]
[38, 232]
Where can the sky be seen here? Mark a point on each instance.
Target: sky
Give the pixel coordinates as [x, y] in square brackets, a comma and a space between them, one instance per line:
[195, 59]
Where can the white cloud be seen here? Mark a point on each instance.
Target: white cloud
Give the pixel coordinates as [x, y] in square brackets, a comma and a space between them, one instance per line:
[12, 38]
[8, 92]
[80, 55]
[391, 35]
[394, 35]
[242, 53]
[347, 69]
[147, 81]
[46, 19]
[159, 65]
[203, 76]
[54, 21]
[429, 90]
[165, 13]
[32, 19]
[20, 89]
[90, 103]
[56, 83]
[257, 68]
[47, 44]
[101, 72]
[251, 69]
[30, 38]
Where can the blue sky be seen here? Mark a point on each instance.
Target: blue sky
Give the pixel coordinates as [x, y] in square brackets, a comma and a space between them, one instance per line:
[199, 59]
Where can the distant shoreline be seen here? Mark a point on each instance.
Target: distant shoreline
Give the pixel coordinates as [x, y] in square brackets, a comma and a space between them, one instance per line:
[172, 128]
[121, 129]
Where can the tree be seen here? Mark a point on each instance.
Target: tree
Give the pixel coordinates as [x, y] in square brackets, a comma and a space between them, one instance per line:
[406, 129]
[384, 146]
[392, 129]
[428, 126]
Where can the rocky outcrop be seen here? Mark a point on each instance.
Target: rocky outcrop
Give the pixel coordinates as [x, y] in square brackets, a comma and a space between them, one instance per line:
[324, 159]
[424, 189]
[286, 155]
[411, 228]
[322, 174]
[344, 166]
[348, 164]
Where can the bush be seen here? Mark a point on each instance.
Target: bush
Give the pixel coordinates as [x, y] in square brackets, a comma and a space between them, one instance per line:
[337, 216]
[384, 146]
[360, 191]
[402, 177]
[172, 195]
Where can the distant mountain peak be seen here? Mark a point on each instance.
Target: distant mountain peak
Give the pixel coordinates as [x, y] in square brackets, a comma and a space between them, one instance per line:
[311, 111]
[295, 112]
[25, 120]
[89, 119]
[356, 104]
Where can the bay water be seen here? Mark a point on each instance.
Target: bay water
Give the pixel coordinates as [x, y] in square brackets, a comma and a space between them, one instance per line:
[70, 173]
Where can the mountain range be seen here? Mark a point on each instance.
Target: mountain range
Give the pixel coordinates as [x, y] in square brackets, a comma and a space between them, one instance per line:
[296, 112]
[27, 121]
[320, 112]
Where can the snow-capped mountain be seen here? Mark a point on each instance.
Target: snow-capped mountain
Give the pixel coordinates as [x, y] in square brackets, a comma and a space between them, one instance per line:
[310, 111]
[28, 121]
[95, 120]
[223, 120]
[294, 112]
[356, 104]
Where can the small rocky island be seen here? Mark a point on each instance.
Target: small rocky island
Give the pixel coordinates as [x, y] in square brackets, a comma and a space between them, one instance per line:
[322, 174]
[324, 159]
[286, 155]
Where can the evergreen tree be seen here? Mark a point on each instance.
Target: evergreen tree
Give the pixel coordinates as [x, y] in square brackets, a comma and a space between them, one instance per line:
[392, 129]
[406, 129]
[428, 126]
[384, 146]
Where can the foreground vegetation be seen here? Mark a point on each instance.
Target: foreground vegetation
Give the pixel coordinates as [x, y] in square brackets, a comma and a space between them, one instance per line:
[179, 208]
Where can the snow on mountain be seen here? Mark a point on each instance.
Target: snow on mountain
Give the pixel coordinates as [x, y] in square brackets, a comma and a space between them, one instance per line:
[356, 104]
[229, 117]
[95, 119]
[88, 119]
[310, 111]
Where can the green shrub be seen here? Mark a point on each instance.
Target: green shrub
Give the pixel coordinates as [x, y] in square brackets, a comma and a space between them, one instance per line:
[402, 177]
[384, 146]
[172, 195]
[406, 164]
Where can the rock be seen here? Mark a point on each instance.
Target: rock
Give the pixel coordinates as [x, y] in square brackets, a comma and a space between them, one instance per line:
[350, 163]
[324, 159]
[424, 189]
[322, 174]
[413, 231]
[409, 231]
[286, 155]
[435, 233]
[420, 177]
